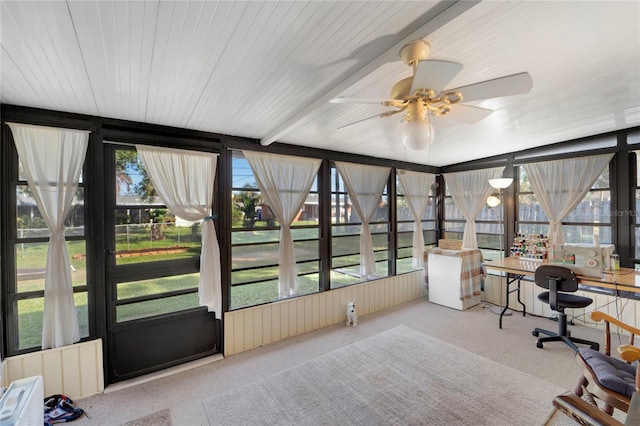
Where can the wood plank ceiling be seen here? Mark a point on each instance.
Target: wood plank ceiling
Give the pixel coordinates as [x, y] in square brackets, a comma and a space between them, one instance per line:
[266, 70]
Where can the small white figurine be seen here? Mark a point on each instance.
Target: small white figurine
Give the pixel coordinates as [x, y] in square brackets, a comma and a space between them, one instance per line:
[352, 316]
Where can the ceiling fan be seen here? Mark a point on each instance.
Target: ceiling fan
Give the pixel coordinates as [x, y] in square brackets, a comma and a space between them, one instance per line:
[422, 95]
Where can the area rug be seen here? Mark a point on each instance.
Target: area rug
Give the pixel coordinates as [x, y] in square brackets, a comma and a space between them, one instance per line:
[398, 377]
[159, 418]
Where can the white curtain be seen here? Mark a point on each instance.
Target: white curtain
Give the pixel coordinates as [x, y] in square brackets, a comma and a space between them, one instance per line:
[365, 185]
[284, 182]
[416, 187]
[184, 181]
[52, 160]
[560, 185]
[469, 190]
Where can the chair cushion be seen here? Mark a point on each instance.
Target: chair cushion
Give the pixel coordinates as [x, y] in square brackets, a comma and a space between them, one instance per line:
[567, 300]
[612, 373]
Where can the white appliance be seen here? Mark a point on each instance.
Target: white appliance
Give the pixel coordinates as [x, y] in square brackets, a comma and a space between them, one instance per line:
[23, 403]
[444, 282]
[583, 259]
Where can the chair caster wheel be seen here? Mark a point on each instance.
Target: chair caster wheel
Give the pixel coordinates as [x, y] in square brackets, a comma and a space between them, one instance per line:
[539, 344]
[535, 333]
[568, 333]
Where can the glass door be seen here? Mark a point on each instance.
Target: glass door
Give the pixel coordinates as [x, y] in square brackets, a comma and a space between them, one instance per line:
[152, 274]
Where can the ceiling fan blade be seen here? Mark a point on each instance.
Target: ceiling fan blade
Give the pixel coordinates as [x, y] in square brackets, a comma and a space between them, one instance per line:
[434, 75]
[360, 121]
[515, 84]
[467, 114]
[358, 101]
[382, 115]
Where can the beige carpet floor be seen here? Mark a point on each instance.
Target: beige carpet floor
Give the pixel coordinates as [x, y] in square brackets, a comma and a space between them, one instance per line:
[475, 330]
[398, 377]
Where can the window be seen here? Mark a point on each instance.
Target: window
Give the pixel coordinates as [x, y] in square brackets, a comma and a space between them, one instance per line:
[633, 138]
[255, 237]
[454, 220]
[636, 221]
[145, 229]
[146, 293]
[406, 223]
[592, 216]
[490, 229]
[345, 235]
[155, 258]
[30, 243]
[489, 225]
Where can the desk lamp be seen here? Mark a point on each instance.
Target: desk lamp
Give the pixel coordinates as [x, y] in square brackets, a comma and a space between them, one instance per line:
[500, 184]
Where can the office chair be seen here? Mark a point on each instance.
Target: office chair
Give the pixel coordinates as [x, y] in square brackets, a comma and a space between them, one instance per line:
[560, 281]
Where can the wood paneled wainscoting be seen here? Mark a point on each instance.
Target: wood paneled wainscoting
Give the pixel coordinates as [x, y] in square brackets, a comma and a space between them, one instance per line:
[74, 370]
[250, 328]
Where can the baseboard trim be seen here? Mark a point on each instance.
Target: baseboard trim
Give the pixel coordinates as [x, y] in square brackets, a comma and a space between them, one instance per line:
[163, 373]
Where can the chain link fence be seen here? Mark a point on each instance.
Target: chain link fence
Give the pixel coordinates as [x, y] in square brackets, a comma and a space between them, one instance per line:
[133, 236]
[28, 233]
[156, 235]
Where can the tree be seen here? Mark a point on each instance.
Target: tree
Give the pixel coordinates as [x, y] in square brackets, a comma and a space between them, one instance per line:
[128, 162]
[125, 161]
[246, 202]
[158, 217]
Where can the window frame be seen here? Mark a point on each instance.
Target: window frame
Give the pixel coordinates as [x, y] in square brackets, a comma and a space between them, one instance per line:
[430, 232]
[126, 273]
[12, 297]
[304, 273]
[519, 171]
[336, 191]
[634, 153]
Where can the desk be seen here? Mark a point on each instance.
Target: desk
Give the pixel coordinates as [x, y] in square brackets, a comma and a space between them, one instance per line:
[515, 268]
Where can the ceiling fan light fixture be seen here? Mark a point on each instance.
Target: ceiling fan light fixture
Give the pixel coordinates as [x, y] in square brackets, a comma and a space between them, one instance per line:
[500, 183]
[416, 134]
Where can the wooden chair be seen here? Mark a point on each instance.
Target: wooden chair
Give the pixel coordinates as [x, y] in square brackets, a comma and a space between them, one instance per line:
[609, 379]
[580, 411]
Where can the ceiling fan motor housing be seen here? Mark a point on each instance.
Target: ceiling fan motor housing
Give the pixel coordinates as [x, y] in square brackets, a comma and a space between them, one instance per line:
[417, 50]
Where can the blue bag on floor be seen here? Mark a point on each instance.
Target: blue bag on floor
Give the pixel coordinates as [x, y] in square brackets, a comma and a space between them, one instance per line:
[60, 409]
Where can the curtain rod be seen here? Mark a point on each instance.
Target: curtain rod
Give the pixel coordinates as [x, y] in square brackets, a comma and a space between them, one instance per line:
[564, 156]
[47, 127]
[118, 143]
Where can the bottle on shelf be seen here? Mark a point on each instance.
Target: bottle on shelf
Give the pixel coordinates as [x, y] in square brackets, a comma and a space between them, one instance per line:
[615, 261]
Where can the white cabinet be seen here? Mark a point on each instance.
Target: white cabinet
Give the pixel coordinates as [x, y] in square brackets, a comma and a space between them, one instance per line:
[445, 282]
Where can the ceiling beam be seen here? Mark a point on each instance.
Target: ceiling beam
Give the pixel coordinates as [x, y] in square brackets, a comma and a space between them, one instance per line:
[438, 16]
